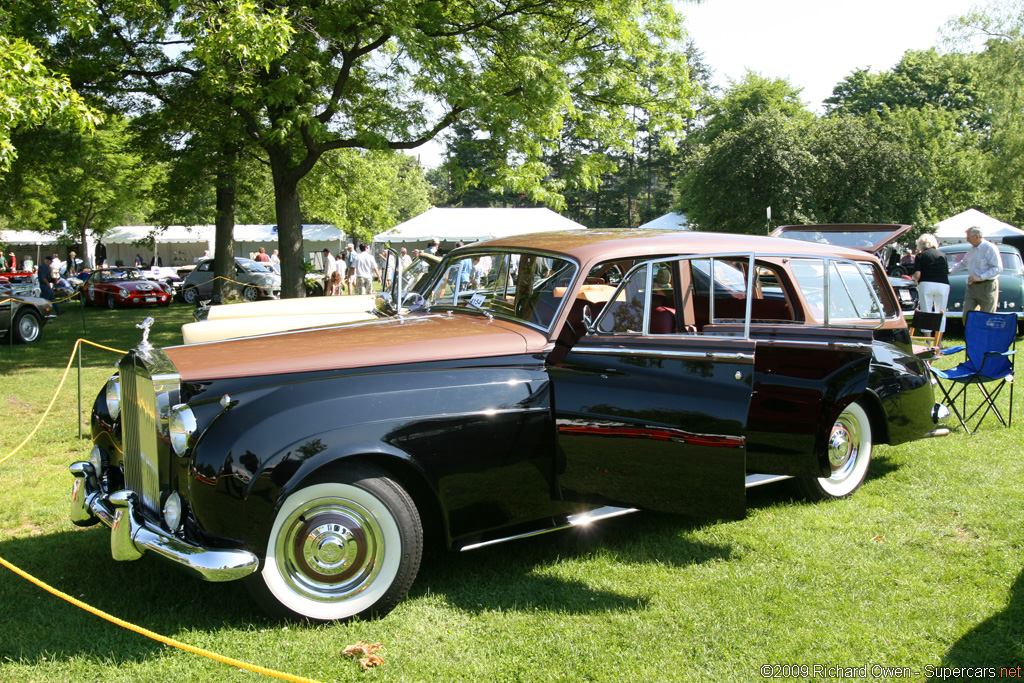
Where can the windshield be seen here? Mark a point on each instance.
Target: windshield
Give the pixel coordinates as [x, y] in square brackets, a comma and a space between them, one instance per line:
[1011, 261]
[522, 286]
[252, 266]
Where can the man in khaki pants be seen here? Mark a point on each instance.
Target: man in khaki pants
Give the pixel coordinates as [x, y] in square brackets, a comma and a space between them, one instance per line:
[983, 266]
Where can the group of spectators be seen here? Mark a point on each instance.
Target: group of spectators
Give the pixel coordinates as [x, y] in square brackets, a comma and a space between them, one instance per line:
[931, 272]
[353, 270]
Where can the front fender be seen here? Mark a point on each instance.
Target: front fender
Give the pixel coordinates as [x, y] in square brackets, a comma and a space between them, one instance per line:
[451, 426]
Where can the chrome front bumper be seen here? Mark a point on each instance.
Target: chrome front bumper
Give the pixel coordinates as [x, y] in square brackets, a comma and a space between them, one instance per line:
[131, 535]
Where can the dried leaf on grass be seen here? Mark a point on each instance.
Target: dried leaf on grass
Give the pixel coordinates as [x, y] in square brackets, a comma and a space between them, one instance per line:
[361, 648]
[365, 653]
[372, 660]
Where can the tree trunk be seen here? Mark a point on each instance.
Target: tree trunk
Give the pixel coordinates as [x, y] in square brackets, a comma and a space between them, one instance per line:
[224, 286]
[289, 226]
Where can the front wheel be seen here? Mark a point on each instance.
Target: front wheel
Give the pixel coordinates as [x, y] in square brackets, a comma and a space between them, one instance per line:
[189, 295]
[849, 454]
[27, 327]
[111, 301]
[340, 548]
[250, 294]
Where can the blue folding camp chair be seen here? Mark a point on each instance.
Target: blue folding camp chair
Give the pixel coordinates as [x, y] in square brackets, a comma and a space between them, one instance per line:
[991, 344]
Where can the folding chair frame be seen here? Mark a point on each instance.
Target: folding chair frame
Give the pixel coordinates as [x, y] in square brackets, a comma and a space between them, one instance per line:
[989, 402]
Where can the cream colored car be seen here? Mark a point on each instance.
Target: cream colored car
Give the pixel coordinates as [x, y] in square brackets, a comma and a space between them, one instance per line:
[232, 321]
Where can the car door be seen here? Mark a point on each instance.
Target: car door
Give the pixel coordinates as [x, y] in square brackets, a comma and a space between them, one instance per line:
[649, 415]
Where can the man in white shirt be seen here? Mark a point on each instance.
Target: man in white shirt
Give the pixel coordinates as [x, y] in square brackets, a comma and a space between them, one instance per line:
[366, 268]
[983, 265]
[330, 268]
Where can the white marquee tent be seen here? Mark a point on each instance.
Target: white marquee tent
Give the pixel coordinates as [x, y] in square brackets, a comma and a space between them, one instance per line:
[449, 226]
[953, 229]
[670, 221]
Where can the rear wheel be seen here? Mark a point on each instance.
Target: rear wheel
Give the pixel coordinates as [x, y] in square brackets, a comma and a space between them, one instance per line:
[340, 548]
[849, 455]
[27, 327]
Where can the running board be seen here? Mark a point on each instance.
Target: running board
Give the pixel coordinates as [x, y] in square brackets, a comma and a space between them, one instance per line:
[580, 519]
[762, 479]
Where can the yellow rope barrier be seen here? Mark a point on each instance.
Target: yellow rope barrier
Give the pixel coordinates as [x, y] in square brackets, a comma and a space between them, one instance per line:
[105, 615]
[49, 407]
[155, 636]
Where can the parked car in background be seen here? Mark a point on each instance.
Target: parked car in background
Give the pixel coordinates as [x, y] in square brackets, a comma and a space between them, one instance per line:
[22, 283]
[23, 315]
[123, 287]
[1011, 282]
[530, 384]
[166, 275]
[874, 238]
[257, 281]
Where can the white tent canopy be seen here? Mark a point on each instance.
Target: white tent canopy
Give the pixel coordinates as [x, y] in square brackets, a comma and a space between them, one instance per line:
[177, 245]
[180, 245]
[470, 225]
[28, 243]
[953, 229]
[670, 221]
[315, 238]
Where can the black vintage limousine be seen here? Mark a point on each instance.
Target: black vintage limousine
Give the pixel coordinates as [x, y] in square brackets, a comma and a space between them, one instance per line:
[531, 384]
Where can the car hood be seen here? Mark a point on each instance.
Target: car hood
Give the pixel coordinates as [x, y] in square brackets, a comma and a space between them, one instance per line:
[869, 237]
[137, 286]
[366, 344]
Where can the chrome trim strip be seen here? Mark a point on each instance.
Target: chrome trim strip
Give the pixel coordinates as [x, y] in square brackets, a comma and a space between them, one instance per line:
[132, 535]
[661, 353]
[753, 480]
[579, 519]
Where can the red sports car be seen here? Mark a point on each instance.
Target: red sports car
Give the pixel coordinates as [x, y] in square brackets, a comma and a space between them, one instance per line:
[115, 287]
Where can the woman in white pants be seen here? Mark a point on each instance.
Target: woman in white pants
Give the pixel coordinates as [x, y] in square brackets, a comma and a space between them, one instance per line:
[932, 275]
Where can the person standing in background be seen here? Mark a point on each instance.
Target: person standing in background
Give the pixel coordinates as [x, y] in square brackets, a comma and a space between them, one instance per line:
[983, 266]
[931, 272]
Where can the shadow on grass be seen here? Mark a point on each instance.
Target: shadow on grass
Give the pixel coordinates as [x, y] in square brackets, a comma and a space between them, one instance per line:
[997, 642]
[147, 592]
[512, 576]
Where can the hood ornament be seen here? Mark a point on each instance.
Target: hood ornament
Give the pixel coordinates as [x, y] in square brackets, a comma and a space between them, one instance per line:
[145, 325]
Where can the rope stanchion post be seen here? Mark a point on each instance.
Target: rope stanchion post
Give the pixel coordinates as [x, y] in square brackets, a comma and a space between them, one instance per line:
[79, 349]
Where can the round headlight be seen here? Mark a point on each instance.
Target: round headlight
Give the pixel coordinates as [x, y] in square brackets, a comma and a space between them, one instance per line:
[181, 426]
[172, 511]
[125, 293]
[96, 460]
[113, 396]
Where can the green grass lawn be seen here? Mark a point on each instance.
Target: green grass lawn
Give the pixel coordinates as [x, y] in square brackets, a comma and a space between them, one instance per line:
[921, 568]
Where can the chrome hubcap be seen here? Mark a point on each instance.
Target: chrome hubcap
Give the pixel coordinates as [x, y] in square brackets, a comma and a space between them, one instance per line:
[843, 447]
[330, 550]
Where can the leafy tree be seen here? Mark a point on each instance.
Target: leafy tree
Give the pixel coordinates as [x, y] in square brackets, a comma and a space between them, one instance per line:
[950, 82]
[1001, 26]
[90, 181]
[30, 93]
[752, 153]
[310, 77]
[364, 193]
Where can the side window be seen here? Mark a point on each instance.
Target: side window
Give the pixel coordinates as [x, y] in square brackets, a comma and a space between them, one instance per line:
[205, 267]
[853, 292]
[625, 313]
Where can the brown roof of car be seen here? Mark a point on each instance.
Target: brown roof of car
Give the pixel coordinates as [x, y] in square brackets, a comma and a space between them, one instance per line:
[587, 245]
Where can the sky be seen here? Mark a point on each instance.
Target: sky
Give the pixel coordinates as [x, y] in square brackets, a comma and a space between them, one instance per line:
[813, 44]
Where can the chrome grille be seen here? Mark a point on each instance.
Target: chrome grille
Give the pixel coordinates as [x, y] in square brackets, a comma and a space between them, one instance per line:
[139, 425]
